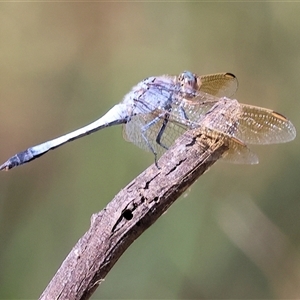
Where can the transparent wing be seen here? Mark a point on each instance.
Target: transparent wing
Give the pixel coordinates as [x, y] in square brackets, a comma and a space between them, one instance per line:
[256, 125]
[259, 125]
[219, 84]
[132, 132]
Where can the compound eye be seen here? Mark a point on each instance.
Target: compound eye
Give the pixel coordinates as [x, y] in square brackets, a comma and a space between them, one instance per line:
[188, 84]
[189, 78]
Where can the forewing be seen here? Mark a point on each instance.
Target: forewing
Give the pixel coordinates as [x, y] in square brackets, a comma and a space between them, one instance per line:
[219, 84]
[259, 125]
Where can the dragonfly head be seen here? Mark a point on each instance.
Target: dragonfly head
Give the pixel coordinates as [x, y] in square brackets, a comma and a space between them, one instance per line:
[189, 82]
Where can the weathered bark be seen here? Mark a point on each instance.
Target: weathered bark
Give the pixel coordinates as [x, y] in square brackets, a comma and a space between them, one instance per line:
[136, 208]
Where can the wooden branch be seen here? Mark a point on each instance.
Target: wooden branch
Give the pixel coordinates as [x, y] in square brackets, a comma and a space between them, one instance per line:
[134, 209]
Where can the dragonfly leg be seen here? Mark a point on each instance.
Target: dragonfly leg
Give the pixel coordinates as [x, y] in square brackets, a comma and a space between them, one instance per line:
[164, 125]
[147, 127]
[182, 113]
[161, 131]
[143, 130]
[165, 116]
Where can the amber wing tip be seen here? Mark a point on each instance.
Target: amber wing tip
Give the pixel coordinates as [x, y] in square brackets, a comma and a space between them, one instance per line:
[289, 124]
[279, 116]
[230, 75]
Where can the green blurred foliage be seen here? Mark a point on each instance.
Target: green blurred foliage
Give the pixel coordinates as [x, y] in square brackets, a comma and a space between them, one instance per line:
[237, 232]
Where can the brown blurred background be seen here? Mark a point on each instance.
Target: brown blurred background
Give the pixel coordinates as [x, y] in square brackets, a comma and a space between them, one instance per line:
[235, 235]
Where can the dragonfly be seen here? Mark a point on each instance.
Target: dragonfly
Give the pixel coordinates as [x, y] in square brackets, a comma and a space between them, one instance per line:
[161, 108]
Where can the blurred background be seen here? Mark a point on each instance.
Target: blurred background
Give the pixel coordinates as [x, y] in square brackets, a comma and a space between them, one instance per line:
[236, 234]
